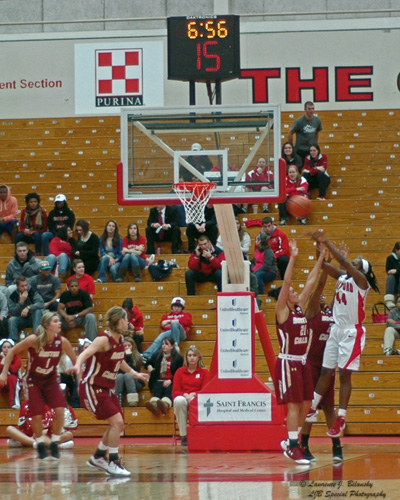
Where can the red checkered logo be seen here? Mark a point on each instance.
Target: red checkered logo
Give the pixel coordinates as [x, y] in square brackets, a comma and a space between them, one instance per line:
[119, 72]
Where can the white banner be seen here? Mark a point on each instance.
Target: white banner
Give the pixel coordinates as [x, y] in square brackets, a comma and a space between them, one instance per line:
[234, 407]
[234, 336]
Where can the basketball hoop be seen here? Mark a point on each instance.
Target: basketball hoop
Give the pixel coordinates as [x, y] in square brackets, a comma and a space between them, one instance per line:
[194, 197]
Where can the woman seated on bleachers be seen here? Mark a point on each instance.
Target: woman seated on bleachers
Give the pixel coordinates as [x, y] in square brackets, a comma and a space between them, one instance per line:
[135, 322]
[296, 184]
[62, 249]
[264, 264]
[86, 282]
[188, 381]
[124, 382]
[162, 367]
[315, 171]
[12, 385]
[134, 253]
[290, 157]
[87, 247]
[33, 222]
[110, 251]
[393, 276]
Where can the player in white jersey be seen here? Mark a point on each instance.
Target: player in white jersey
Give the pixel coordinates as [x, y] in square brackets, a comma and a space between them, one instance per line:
[347, 338]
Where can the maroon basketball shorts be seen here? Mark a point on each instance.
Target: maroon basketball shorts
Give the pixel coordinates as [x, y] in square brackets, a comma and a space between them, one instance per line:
[43, 391]
[102, 402]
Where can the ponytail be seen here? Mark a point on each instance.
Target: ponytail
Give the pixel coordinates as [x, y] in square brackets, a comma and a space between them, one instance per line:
[41, 333]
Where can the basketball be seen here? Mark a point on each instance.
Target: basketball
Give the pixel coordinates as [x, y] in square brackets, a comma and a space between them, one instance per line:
[299, 206]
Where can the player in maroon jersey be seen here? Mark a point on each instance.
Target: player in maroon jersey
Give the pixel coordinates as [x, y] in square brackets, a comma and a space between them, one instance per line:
[320, 319]
[44, 351]
[103, 359]
[293, 382]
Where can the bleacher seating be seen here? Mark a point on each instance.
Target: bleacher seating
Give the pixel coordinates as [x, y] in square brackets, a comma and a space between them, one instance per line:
[77, 156]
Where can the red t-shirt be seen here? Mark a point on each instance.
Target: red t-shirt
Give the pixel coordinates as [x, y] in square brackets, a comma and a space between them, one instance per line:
[86, 283]
[132, 244]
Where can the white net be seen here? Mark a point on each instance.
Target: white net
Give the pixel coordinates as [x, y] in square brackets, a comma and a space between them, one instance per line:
[194, 197]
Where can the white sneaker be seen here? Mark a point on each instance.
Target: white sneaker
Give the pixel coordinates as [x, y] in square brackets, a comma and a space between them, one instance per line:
[150, 260]
[99, 463]
[285, 444]
[67, 445]
[15, 407]
[11, 443]
[115, 468]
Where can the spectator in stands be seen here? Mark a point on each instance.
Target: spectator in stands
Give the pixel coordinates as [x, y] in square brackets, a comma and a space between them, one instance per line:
[261, 178]
[204, 265]
[290, 157]
[315, 171]
[3, 316]
[306, 129]
[22, 264]
[188, 381]
[62, 249]
[244, 238]
[134, 254]
[162, 225]
[76, 310]
[13, 385]
[296, 185]
[85, 281]
[25, 307]
[8, 212]
[208, 226]
[33, 222]
[201, 163]
[135, 322]
[162, 367]
[263, 264]
[175, 324]
[393, 276]
[124, 382]
[110, 252]
[87, 247]
[60, 216]
[279, 243]
[392, 331]
[47, 286]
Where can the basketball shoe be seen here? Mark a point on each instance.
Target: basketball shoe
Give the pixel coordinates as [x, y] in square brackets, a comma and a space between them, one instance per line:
[296, 455]
[337, 427]
[115, 468]
[98, 462]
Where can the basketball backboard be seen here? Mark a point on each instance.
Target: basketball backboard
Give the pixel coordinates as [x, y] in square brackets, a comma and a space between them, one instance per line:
[162, 146]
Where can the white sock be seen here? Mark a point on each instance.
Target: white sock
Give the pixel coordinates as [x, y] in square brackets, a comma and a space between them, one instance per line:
[316, 400]
[55, 438]
[102, 446]
[342, 412]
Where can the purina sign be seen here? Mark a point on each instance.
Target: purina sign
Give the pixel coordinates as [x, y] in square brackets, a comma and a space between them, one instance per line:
[114, 75]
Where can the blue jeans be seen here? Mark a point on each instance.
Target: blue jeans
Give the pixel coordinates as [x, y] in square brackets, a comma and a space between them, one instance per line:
[264, 277]
[46, 238]
[88, 322]
[8, 226]
[64, 262]
[103, 266]
[133, 260]
[36, 238]
[177, 332]
[16, 323]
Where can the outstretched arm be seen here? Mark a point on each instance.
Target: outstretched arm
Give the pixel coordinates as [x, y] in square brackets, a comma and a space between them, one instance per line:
[348, 267]
[281, 308]
[312, 278]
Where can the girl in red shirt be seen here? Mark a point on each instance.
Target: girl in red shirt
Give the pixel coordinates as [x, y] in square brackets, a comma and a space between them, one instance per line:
[315, 171]
[62, 248]
[296, 184]
[12, 385]
[188, 381]
[134, 254]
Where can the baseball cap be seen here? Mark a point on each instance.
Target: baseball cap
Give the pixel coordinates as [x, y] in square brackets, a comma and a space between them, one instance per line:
[178, 301]
[45, 265]
[60, 197]
[196, 147]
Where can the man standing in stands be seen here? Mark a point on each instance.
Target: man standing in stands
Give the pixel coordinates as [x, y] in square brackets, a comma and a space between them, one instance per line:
[162, 225]
[204, 265]
[76, 310]
[8, 212]
[306, 129]
[279, 243]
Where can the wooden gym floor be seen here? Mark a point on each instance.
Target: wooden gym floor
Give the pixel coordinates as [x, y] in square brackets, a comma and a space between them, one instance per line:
[161, 471]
